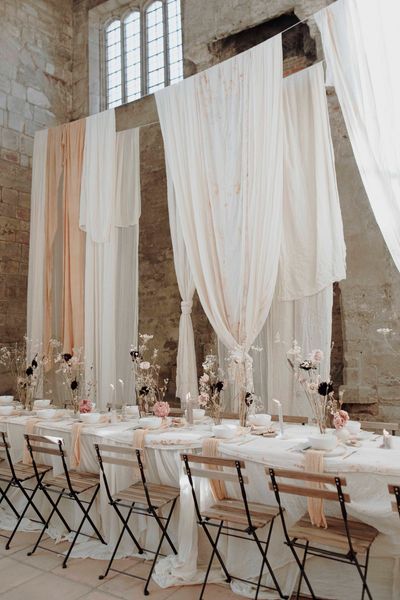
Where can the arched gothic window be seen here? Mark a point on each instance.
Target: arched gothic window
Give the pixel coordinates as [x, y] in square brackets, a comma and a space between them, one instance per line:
[143, 51]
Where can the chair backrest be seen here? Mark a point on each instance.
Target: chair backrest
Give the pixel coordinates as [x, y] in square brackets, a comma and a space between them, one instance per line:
[216, 464]
[123, 456]
[291, 419]
[45, 444]
[380, 426]
[176, 412]
[296, 489]
[395, 490]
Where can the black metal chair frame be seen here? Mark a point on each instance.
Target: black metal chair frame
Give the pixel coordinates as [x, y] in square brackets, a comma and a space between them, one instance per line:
[68, 493]
[349, 558]
[396, 492]
[226, 530]
[149, 511]
[15, 482]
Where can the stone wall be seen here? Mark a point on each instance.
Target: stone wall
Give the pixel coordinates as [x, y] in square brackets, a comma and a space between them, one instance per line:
[35, 92]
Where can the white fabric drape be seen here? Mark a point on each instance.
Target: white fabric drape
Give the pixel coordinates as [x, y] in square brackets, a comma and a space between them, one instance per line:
[186, 370]
[223, 142]
[35, 309]
[313, 250]
[361, 43]
[97, 215]
[128, 207]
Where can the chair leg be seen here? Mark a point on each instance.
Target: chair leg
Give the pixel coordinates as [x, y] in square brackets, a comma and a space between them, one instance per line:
[164, 534]
[21, 516]
[213, 553]
[86, 517]
[265, 559]
[53, 510]
[363, 578]
[302, 570]
[217, 554]
[303, 562]
[57, 510]
[124, 528]
[365, 572]
[164, 527]
[5, 497]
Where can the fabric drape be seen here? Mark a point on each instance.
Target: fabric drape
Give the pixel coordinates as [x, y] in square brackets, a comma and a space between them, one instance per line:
[223, 142]
[128, 208]
[360, 40]
[97, 213]
[186, 369]
[74, 238]
[313, 249]
[53, 177]
[35, 310]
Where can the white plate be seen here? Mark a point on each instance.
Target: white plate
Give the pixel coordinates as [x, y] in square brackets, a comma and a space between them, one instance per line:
[338, 451]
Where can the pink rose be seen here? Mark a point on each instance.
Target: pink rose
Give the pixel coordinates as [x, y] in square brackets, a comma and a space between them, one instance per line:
[161, 409]
[317, 356]
[85, 406]
[340, 419]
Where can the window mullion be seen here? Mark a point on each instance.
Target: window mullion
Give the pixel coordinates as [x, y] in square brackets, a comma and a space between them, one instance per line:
[123, 63]
[166, 44]
[143, 50]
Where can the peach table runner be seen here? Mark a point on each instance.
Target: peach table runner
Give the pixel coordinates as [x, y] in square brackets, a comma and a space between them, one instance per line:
[314, 463]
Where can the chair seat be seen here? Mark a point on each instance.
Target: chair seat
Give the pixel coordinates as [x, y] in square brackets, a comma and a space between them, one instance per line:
[362, 535]
[233, 511]
[159, 494]
[80, 482]
[22, 471]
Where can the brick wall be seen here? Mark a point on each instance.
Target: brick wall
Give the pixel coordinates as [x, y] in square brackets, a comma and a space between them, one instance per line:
[35, 92]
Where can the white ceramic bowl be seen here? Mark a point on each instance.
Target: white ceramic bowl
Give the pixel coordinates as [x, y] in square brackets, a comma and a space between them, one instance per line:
[224, 431]
[91, 417]
[150, 422]
[354, 427]
[46, 413]
[5, 400]
[6, 410]
[259, 419]
[38, 404]
[323, 441]
[132, 411]
[198, 413]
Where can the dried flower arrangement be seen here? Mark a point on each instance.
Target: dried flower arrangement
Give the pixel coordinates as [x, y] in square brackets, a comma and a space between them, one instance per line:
[211, 386]
[147, 373]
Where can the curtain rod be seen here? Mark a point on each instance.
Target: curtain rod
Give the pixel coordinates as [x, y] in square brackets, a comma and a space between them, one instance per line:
[280, 33]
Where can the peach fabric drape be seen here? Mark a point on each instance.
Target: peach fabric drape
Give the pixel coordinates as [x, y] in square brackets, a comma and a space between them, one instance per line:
[74, 238]
[210, 448]
[314, 463]
[53, 177]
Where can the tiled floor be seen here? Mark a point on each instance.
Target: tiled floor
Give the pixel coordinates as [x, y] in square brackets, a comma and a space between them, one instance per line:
[41, 576]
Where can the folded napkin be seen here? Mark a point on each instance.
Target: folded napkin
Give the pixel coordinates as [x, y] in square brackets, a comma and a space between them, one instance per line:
[76, 430]
[314, 463]
[29, 429]
[210, 448]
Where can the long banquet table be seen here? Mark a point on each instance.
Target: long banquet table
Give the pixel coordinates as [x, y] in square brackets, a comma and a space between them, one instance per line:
[368, 471]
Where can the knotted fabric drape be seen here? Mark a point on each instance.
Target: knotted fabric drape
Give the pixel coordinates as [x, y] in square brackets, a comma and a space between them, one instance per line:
[35, 311]
[223, 142]
[361, 43]
[109, 212]
[186, 370]
[313, 250]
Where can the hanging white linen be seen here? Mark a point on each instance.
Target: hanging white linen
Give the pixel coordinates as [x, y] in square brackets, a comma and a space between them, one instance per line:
[186, 369]
[35, 308]
[361, 43]
[313, 253]
[128, 207]
[97, 215]
[223, 141]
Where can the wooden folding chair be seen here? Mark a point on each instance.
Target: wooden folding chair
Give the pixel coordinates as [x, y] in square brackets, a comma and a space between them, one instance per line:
[380, 426]
[72, 485]
[347, 538]
[20, 476]
[140, 498]
[291, 419]
[395, 489]
[246, 518]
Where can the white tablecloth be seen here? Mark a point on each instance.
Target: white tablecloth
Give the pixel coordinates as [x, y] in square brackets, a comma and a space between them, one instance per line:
[368, 471]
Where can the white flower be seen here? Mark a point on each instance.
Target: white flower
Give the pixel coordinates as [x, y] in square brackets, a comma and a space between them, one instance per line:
[144, 365]
[317, 356]
[204, 378]
[384, 330]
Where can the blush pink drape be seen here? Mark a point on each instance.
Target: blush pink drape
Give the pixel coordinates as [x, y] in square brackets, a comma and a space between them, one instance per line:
[74, 238]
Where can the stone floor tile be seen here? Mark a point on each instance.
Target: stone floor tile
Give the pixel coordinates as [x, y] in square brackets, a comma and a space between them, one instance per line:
[14, 573]
[44, 586]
